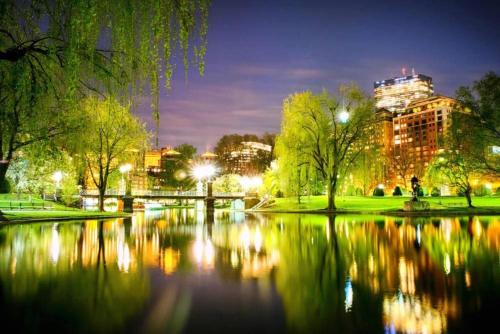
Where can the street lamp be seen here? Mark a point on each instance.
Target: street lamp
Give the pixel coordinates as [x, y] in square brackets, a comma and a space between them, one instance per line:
[125, 168]
[57, 177]
[343, 115]
[200, 172]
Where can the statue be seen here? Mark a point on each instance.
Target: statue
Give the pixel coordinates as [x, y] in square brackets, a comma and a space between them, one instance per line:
[415, 188]
[415, 204]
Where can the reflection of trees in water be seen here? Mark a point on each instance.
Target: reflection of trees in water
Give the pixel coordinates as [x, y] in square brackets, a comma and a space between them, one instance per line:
[327, 266]
[333, 273]
[75, 291]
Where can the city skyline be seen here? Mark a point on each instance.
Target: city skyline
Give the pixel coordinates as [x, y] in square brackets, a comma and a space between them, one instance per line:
[247, 78]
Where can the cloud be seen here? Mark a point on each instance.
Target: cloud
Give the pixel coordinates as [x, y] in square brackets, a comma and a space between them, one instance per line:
[203, 114]
[296, 73]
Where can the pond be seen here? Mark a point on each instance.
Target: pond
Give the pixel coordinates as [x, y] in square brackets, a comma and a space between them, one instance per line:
[172, 271]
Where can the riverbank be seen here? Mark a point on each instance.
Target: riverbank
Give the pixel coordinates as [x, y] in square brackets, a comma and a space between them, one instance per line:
[18, 209]
[444, 206]
[25, 216]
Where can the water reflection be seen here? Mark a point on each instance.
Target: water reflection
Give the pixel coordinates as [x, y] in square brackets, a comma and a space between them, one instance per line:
[172, 270]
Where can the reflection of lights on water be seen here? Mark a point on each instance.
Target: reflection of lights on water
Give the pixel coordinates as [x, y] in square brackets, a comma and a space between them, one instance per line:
[407, 276]
[447, 263]
[170, 261]
[204, 253]
[122, 252]
[371, 264]
[348, 295]
[123, 255]
[55, 246]
[467, 279]
[410, 315]
[446, 226]
[477, 229]
[258, 240]
[245, 237]
[234, 259]
[419, 237]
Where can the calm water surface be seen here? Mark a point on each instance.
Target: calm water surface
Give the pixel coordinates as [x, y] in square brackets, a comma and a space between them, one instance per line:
[172, 271]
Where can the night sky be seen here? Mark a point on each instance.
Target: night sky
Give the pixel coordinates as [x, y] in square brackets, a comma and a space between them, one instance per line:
[261, 51]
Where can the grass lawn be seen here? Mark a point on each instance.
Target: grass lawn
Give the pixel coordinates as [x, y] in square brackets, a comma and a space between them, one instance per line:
[36, 208]
[379, 204]
[47, 214]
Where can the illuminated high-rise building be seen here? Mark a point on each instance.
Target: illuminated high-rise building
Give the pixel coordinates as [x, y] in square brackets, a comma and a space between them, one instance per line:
[397, 93]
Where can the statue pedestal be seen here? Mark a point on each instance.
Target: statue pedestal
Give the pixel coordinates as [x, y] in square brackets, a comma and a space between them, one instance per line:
[416, 206]
[127, 204]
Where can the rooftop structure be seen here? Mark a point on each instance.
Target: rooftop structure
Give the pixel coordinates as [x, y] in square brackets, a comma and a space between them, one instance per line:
[397, 93]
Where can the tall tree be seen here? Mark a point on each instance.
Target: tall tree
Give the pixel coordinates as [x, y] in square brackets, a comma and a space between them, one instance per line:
[176, 170]
[54, 52]
[330, 130]
[453, 164]
[480, 126]
[111, 135]
[232, 158]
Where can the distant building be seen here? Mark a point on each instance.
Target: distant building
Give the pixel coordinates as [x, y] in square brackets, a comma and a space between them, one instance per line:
[416, 131]
[396, 94]
[244, 160]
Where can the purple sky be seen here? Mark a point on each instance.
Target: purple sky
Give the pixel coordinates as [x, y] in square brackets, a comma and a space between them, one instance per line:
[261, 51]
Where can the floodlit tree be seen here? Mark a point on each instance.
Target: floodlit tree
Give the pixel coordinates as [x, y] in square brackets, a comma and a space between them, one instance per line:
[400, 163]
[52, 53]
[452, 164]
[328, 131]
[111, 136]
[481, 125]
[228, 144]
[176, 170]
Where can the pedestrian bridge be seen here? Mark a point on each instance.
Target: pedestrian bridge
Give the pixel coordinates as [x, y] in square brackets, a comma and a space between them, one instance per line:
[161, 194]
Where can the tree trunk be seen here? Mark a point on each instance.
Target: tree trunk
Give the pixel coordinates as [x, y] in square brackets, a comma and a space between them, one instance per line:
[4, 166]
[102, 191]
[331, 197]
[468, 197]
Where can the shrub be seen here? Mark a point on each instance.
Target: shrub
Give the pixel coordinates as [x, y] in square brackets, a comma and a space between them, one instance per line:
[435, 192]
[351, 190]
[420, 192]
[498, 191]
[5, 187]
[378, 192]
[482, 190]
[397, 191]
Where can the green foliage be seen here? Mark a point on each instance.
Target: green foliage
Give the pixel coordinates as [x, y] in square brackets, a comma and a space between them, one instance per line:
[231, 164]
[227, 183]
[54, 53]
[176, 171]
[397, 191]
[482, 190]
[270, 182]
[378, 191]
[436, 192]
[33, 172]
[315, 143]
[480, 123]
[112, 136]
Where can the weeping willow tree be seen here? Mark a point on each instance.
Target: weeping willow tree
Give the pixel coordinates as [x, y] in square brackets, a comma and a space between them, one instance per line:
[54, 52]
[326, 133]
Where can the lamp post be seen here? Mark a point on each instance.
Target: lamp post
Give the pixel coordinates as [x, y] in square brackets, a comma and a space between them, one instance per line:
[201, 172]
[125, 168]
[57, 177]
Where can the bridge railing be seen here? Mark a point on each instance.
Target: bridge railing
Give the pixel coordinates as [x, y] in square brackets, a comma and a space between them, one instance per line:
[160, 193]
